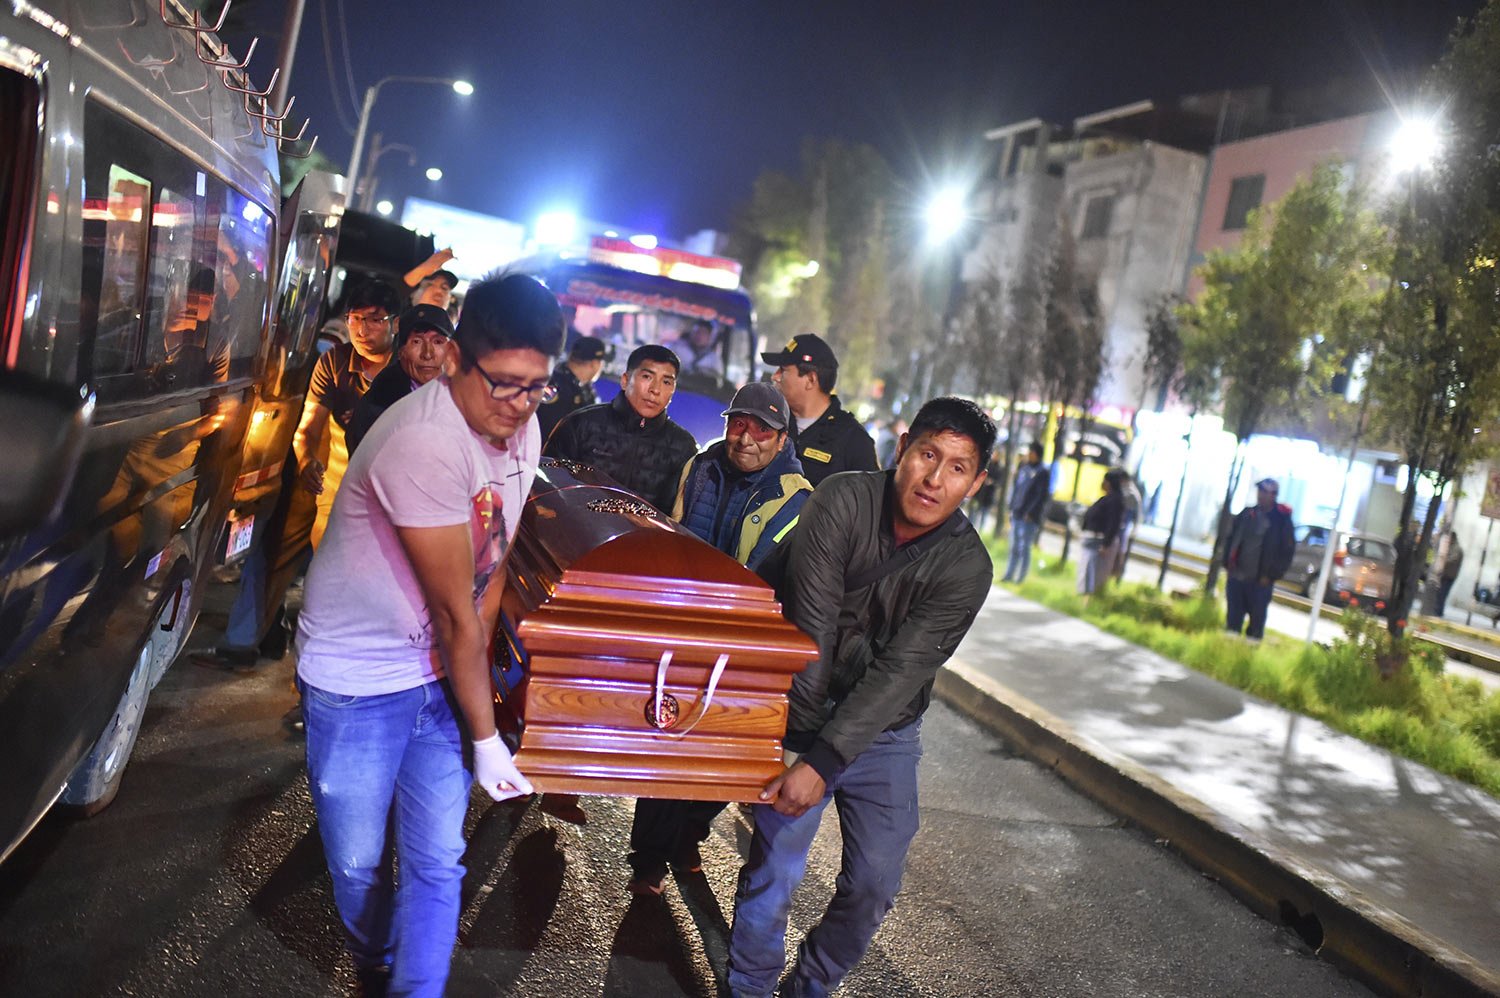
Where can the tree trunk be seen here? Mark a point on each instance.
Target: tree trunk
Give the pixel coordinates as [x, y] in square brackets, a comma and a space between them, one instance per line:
[1002, 491]
[1166, 551]
[1226, 517]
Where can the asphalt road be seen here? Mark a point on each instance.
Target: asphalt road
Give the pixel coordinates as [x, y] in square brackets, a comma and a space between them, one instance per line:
[205, 878]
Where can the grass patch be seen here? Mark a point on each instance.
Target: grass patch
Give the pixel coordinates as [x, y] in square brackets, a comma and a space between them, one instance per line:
[1416, 711]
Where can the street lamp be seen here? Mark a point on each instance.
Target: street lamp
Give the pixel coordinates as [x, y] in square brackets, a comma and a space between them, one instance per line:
[385, 207]
[461, 87]
[946, 213]
[433, 173]
[1415, 144]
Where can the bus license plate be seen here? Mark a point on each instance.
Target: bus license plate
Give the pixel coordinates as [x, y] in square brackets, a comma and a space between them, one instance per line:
[240, 533]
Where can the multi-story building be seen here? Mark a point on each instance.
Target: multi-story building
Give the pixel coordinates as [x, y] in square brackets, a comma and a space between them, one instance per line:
[1125, 185]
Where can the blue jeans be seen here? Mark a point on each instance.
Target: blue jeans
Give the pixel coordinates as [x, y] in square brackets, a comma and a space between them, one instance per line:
[876, 798]
[386, 763]
[1022, 536]
[1244, 598]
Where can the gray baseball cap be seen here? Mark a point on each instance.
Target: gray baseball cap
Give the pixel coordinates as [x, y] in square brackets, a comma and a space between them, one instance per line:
[762, 400]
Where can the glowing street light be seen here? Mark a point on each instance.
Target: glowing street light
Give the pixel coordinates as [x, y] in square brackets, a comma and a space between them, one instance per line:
[461, 87]
[1415, 145]
[555, 228]
[946, 213]
[384, 207]
[433, 173]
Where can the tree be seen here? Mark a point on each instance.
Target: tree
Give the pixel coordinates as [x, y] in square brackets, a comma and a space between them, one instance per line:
[816, 248]
[1071, 351]
[1267, 302]
[1163, 361]
[1436, 376]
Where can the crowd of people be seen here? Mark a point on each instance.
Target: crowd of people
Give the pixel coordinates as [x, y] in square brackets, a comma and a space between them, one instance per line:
[417, 447]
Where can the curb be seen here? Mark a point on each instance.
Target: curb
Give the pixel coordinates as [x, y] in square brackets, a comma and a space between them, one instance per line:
[1374, 945]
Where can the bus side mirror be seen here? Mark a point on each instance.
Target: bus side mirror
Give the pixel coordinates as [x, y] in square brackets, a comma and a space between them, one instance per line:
[43, 426]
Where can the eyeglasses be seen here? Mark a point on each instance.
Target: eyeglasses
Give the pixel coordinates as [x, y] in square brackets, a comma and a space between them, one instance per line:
[758, 431]
[509, 391]
[366, 320]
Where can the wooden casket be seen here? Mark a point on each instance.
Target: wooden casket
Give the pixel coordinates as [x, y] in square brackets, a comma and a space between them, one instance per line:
[633, 658]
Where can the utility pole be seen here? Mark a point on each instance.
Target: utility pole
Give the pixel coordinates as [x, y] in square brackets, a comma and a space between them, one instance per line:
[286, 52]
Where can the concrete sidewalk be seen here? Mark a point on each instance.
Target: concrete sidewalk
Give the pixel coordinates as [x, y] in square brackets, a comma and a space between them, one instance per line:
[1390, 868]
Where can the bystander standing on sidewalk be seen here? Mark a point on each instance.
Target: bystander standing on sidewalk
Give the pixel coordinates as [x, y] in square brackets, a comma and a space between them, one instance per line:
[1259, 551]
[1453, 563]
[1028, 504]
[1101, 528]
[1131, 497]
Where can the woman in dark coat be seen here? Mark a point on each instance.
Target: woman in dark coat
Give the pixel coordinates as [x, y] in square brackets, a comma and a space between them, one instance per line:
[1101, 535]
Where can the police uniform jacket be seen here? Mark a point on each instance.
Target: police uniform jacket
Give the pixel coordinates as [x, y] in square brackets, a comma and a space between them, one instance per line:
[644, 455]
[834, 442]
[572, 395]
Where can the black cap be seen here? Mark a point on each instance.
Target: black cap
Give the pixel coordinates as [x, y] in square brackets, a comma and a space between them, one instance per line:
[446, 275]
[804, 348]
[591, 348]
[762, 400]
[1268, 485]
[422, 317]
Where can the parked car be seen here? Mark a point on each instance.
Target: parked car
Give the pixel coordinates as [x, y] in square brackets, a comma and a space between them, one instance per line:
[1361, 574]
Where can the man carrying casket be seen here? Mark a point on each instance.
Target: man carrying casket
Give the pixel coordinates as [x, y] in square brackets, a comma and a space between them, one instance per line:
[743, 495]
[393, 641]
[886, 575]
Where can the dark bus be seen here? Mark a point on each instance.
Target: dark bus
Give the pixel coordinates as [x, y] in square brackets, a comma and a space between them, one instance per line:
[139, 272]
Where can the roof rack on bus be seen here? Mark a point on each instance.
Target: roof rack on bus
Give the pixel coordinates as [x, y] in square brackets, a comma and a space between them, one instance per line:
[214, 53]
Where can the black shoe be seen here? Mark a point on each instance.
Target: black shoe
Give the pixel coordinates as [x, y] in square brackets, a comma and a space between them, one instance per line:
[226, 658]
[373, 983]
[689, 860]
[274, 645]
[293, 719]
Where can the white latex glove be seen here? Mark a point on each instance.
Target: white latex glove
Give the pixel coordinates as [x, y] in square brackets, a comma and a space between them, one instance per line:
[495, 771]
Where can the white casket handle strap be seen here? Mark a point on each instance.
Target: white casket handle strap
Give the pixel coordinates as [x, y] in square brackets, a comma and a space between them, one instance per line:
[714, 676]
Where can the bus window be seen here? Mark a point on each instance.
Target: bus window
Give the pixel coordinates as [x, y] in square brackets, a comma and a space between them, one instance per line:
[115, 221]
[245, 245]
[739, 354]
[179, 305]
[174, 267]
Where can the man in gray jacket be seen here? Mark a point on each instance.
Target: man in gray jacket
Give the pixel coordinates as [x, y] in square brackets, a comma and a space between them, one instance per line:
[886, 575]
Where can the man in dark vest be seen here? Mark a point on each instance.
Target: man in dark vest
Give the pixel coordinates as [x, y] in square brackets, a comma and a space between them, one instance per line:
[828, 438]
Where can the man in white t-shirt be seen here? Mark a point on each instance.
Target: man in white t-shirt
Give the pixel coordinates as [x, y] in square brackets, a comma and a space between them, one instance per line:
[392, 643]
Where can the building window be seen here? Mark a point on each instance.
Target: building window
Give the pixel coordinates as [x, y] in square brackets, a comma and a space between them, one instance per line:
[1244, 197]
[1096, 216]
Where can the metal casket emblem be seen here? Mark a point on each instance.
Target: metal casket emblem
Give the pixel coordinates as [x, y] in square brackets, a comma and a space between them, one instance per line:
[667, 716]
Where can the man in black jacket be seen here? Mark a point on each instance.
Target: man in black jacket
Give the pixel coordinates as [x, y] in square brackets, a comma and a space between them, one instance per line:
[827, 438]
[1260, 550]
[631, 438]
[423, 334]
[886, 576]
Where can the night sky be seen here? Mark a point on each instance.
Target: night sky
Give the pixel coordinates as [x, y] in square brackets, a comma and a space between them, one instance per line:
[658, 116]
